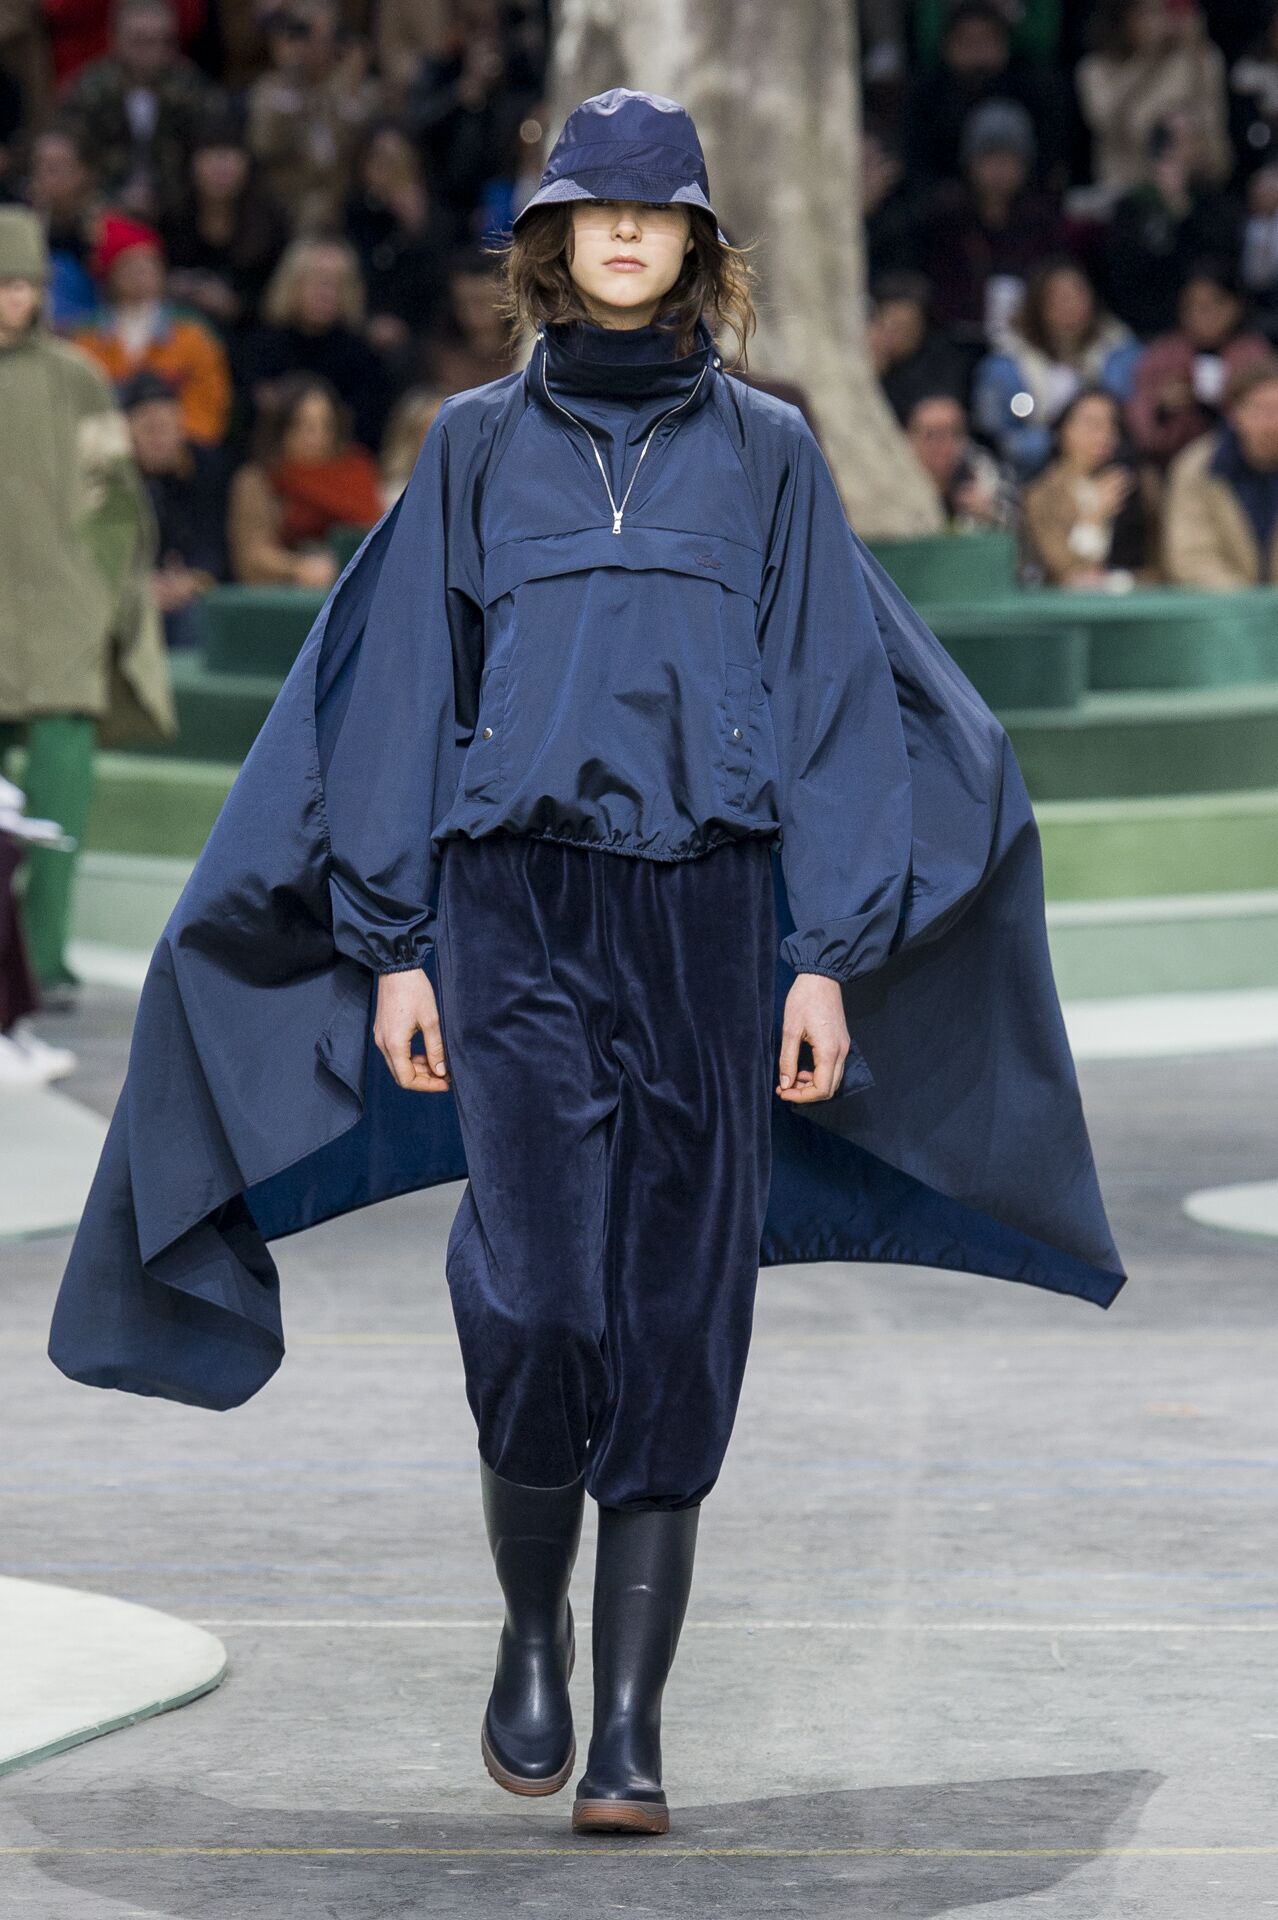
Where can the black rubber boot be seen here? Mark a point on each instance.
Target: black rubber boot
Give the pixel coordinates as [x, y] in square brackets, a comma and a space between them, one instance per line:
[534, 1532]
[643, 1575]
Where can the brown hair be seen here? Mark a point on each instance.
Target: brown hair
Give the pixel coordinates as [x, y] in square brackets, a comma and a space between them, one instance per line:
[1031, 318]
[275, 421]
[536, 287]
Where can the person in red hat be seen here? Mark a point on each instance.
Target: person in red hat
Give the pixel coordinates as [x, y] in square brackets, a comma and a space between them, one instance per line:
[139, 330]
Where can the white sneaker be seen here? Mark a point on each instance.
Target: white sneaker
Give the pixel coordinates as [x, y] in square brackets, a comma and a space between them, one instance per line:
[54, 1062]
[17, 1068]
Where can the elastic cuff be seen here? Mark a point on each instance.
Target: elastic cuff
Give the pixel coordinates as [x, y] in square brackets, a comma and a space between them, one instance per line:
[827, 973]
[401, 966]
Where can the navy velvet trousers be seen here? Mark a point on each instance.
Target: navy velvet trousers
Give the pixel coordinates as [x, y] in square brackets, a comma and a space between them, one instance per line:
[607, 1022]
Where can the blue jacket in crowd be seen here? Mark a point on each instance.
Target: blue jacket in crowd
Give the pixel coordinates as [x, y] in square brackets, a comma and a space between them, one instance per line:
[619, 604]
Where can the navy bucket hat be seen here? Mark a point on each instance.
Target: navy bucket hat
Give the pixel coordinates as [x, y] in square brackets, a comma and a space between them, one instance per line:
[623, 145]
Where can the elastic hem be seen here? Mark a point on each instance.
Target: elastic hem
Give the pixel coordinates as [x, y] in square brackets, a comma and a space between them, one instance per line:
[827, 973]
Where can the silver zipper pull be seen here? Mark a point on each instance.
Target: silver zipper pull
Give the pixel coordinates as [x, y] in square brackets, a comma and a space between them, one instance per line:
[616, 521]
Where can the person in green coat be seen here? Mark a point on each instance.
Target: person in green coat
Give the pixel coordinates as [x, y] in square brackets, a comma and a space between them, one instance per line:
[82, 659]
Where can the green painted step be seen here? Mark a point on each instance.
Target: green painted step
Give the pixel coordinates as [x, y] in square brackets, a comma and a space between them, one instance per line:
[1175, 844]
[257, 630]
[219, 714]
[1154, 638]
[1117, 745]
[950, 569]
[156, 807]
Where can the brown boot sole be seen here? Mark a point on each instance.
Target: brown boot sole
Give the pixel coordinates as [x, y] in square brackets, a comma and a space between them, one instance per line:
[620, 1816]
[515, 1782]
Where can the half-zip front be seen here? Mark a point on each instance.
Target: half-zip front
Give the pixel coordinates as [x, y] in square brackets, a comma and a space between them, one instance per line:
[619, 371]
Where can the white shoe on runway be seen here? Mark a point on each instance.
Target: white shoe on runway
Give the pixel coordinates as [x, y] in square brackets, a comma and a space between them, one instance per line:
[50, 1063]
[17, 1068]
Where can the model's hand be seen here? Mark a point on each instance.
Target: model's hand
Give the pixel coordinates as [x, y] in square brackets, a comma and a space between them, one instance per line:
[405, 1006]
[813, 1012]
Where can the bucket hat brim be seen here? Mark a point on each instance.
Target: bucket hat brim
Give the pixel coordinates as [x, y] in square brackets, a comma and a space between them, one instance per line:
[622, 182]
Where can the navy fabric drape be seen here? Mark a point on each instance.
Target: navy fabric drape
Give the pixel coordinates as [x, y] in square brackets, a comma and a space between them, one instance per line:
[254, 1103]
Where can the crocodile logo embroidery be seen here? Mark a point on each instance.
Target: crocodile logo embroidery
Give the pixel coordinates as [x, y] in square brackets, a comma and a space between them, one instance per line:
[708, 560]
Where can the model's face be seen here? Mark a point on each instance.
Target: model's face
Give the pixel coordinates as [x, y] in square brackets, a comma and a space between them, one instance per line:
[624, 257]
[19, 304]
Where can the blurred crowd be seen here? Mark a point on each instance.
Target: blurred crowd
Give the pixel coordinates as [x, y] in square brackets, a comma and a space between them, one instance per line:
[1072, 232]
[267, 222]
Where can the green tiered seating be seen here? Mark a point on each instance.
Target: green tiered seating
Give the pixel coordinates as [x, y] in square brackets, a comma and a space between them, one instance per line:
[1146, 726]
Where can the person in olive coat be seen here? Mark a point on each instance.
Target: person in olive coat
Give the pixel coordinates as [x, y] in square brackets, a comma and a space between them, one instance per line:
[81, 652]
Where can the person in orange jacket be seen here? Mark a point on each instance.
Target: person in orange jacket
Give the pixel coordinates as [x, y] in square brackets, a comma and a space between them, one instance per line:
[138, 328]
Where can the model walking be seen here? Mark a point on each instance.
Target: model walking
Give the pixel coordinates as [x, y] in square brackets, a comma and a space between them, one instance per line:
[612, 666]
[606, 933]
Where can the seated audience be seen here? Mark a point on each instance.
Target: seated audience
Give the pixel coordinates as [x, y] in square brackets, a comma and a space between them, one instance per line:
[62, 189]
[395, 227]
[138, 107]
[313, 322]
[974, 493]
[1220, 526]
[910, 357]
[225, 238]
[470, 345]
[1060, 341]
[1259, 267]
[1253, 98]
[467, 107]
[187, 486]
[977, 65]
[1172, 218]
[307, 479]
[1155, 59]
[1089, 517]
[408, 33]
[1181, 376]
[138, 328]
[891, 208]
[310, 110]
[987, 230]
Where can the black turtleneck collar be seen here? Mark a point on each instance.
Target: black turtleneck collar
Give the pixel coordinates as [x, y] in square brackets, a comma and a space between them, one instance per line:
[582, 358]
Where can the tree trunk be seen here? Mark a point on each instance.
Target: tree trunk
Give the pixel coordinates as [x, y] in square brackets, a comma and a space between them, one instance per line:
[773, 92]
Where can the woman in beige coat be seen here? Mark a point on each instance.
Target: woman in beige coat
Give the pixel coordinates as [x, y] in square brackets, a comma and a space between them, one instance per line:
[1089, 516]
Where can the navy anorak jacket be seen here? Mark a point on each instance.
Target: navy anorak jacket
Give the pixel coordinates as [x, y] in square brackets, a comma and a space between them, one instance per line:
[619, 605]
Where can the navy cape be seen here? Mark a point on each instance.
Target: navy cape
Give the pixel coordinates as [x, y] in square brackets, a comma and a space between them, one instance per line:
[255, 1103]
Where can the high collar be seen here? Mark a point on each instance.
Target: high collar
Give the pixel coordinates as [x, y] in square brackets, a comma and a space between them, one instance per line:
[580, 360]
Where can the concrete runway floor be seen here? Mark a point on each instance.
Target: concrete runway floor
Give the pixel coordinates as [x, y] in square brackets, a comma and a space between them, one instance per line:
[985, 1617]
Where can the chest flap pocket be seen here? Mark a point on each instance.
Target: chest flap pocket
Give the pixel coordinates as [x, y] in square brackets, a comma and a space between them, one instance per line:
[703, 556]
